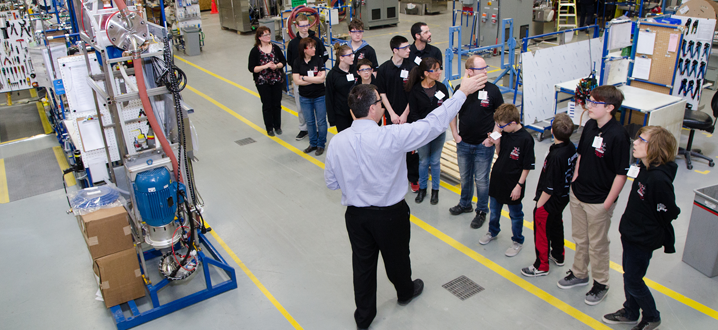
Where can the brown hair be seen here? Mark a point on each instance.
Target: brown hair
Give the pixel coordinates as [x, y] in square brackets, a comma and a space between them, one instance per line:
[417, 73]
[562, 127]
[609, 94]
[356, 24]
[260, 32]
[302, 18]
[661, 147]
[339, 50]
[507, 113]
[304, 44]
[365, 61]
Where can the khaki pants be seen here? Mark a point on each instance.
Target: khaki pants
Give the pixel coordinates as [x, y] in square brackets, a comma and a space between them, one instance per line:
[589, 229]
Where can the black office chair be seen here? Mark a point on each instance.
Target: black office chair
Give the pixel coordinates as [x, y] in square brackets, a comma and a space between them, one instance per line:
[694, 120]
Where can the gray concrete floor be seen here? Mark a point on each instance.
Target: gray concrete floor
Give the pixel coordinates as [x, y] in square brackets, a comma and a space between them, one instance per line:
[268, 203]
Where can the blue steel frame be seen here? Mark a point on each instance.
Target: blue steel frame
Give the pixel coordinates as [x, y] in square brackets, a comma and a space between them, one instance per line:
[636, 29]
[160, 310]
[506, 46]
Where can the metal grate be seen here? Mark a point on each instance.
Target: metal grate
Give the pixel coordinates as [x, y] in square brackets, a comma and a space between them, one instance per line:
[244, 142]
[463, 287]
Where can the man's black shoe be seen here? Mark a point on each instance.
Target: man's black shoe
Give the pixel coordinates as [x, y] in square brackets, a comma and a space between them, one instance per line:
[434, 197]
[270, 132]
[278, 131]
[418, 289]
[420, 195]
[301, 135]
[479, 220]
[309, 149]
[456, 210]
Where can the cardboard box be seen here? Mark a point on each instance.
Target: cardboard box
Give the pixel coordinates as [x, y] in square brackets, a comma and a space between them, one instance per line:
[106, 231]
[120, 277]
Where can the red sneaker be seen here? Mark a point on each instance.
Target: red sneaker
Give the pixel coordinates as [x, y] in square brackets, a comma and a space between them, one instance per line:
[414, 186]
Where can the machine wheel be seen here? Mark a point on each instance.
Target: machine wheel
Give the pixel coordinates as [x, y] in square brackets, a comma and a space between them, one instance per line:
[711, 163]
[539, 136]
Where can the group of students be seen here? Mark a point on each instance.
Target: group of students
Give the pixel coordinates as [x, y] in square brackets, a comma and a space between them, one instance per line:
[409, 88]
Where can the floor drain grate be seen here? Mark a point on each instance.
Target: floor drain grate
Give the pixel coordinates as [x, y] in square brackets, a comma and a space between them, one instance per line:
[463, 287]
[244, 142]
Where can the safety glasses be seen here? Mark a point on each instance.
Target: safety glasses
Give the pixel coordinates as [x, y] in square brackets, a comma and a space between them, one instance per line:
[591, 103]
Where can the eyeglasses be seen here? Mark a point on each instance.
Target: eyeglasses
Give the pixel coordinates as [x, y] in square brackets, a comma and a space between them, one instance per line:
[405, 47]
[642, 139]
[479, 69]
[591, 103]
[345, 55]
[356, 31]
[303, 26]
[377, 101]
[266, 35]
[502, 126]
[365, 70]
[432, 71]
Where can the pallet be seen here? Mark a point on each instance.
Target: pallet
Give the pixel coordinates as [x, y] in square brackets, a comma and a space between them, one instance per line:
[450, 162]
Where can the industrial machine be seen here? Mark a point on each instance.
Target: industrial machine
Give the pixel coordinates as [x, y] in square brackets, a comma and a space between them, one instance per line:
[481, 20]
[377, 12]
[234, 15]
[423, 7]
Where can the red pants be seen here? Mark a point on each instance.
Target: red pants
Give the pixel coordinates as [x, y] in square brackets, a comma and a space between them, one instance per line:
[548, 235]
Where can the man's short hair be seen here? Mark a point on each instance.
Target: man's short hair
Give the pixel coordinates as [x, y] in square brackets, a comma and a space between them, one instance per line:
[364, 61]
[470, 61]
[396, 41]
[304, 44]
[356, 24]
[361, 98]
[609, 94]
[661, 147]
[562, 127]
[507, 113]
[416, 29]
[302, 18]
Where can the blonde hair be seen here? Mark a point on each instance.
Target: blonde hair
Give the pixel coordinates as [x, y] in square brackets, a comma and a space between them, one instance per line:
[662, 145]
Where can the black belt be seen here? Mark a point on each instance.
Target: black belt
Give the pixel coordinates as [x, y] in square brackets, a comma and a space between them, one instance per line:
[382, 208]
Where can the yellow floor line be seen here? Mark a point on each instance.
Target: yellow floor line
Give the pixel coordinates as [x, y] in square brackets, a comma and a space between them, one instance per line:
[43, 118]
[62, 161]
[255, 280]
[4, 193]
[456, 189]
[471, 253]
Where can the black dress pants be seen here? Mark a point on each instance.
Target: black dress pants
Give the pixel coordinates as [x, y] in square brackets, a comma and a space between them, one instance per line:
[412, 167]
[271, 96]
[373, 230]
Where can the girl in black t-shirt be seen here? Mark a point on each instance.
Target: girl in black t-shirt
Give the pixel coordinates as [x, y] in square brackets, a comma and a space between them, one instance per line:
[309, 75]
[426, 93]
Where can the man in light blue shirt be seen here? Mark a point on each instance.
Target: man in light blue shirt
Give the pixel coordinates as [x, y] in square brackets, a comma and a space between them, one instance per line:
[368, 163]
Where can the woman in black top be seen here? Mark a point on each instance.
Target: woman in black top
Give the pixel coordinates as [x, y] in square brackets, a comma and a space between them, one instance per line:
[426, 93]
[646, 224]
[308, 73]
[340, 80]
[266, 61]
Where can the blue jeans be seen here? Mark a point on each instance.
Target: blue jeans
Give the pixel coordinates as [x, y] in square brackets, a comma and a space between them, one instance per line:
[474, 167]
[430, 155]
[516, 214]
[315, 113]
[638, 296]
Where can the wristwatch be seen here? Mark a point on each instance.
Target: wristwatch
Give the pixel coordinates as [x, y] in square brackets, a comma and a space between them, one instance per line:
[521, 184]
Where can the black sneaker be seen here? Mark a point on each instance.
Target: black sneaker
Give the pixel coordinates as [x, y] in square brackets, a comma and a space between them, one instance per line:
[301, 135]
[479, 220]
[270, 132]
[597, 293]
[456, 210]
[619, 317]
[278, 131]
[418, 289]
[644, 325]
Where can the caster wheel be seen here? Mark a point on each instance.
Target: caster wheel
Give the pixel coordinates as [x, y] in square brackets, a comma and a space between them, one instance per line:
[711, 163]
[690, 167]
[539, 137]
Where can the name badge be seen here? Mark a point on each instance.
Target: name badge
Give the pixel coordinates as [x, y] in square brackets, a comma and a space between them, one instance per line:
[310, 73]
[597, 142]
[350, 77]
[404, 74]
[633, 171]
[483, 95]
[417, 60]
[439, 95]
[495, 135]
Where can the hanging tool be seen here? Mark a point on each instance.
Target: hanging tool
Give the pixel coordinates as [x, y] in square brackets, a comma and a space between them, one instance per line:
[697, 50]
[693, 68]
[702, 73]
[688, 25]
[22, 24]
[696, 92]
[13, 29]
[695, 27]
[706, 49]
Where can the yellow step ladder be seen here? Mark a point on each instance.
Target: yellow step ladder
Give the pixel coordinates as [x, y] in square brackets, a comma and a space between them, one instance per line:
[566, 18]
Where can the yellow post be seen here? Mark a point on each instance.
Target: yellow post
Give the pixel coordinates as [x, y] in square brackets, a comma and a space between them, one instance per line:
[9, 98]
[33, 92]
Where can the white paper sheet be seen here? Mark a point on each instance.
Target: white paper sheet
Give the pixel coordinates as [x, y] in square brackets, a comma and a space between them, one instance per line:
[705, 29]
[90, 135]
[646, 42]
[673, 42]
[642, 68]
[620, 36]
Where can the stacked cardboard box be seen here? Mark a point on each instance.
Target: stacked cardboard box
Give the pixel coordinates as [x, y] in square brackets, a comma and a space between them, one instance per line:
[109, 239]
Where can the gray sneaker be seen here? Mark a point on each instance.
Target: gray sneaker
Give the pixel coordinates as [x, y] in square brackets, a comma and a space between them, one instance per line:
[647, 325]
[550, 257]
[597, 293]
[571, 281]
[514, 249]
[619, 317]
[486, 239]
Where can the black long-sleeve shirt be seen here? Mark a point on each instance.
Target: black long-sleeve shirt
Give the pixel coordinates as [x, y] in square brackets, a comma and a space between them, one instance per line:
[293, 49]
[338, 85]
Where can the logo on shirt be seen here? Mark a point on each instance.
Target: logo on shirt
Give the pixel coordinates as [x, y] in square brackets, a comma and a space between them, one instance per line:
[602, 150]
[361, 56]
[661, 208]
[440, 102]
[485, 103]
[641, 191]
[515, 153]
[545, 161]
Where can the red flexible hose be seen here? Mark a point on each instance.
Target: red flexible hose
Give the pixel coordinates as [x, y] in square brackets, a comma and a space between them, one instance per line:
[295, 12]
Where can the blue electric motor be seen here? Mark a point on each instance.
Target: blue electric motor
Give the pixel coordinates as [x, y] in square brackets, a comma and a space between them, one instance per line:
[156, 196]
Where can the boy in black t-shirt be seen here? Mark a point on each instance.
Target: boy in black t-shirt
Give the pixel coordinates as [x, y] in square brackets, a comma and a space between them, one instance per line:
[601, 168]
[552, 198]
[508, 176]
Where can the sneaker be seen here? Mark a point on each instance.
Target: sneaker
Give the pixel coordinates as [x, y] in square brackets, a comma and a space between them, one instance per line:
[278, 131]
[414, 186]
[597, 293]
[550, 257]
[571, 281]
[486, 239]
[479, 220]
[514, 249]
[456, 210]
[619, 317]
[301, 135]
[647, 325]
[270, 132]
[531, 271]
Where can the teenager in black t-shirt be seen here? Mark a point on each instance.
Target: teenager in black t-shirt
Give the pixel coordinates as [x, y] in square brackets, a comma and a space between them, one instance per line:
[309, 75]
[508, 176]
[340, 80]
[552, 197]
[365, 72]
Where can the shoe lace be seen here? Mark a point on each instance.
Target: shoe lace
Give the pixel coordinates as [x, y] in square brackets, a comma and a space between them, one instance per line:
[570, 276]
[595, 290]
